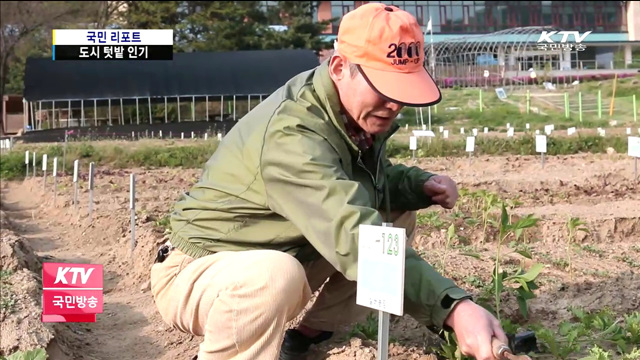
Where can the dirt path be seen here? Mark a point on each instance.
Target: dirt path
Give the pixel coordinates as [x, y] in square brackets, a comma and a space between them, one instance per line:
[129, 327]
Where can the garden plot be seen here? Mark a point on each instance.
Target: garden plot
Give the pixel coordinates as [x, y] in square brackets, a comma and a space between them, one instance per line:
[574, 227]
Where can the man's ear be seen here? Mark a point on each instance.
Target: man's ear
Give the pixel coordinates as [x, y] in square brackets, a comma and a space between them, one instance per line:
[337, 67]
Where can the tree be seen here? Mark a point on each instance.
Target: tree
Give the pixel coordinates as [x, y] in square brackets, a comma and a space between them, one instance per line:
[302, 32]
[148, 14]
[221, 25]
[230, 25]
[109, 13]
[24, 20]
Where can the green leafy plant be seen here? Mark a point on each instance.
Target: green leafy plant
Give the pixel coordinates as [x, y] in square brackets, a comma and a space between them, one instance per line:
[525, 280]
[367, 330]
[451, 234]
[430, 218]
[490, 202]
[449, 349]
[602, 330]
[36, 354]
[574, 225]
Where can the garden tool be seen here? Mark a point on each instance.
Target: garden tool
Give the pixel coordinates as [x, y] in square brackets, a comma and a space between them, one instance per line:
[525, 342]
[502, 351]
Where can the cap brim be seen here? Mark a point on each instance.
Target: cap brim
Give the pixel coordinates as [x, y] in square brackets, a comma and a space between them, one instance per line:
[409, 89]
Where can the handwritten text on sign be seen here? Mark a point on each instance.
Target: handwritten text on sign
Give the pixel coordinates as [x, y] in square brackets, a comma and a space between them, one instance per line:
[71, 292]
[381, 257]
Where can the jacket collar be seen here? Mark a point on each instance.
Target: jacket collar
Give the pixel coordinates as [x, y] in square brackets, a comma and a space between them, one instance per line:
[325, 88]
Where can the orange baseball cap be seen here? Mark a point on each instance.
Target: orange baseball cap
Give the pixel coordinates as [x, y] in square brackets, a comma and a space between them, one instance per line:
[387, 45]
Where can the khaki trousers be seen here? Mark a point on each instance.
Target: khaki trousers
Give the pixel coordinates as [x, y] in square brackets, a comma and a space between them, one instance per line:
[241, 301]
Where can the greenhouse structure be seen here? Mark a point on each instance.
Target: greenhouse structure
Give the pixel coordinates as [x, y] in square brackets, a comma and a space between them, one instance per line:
[193, 87]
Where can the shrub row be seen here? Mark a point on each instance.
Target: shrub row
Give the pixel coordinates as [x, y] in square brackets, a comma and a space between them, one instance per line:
[195, 155]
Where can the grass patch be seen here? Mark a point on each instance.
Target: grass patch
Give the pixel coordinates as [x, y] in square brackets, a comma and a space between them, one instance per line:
[128, 155]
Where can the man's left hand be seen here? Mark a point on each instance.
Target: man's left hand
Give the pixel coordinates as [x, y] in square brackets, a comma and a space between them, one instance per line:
[443, 191]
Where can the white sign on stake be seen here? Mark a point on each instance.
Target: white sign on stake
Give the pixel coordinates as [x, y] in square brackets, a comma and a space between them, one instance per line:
[26, 162]
[628, 131]
[634, 146]
[634, 151]
[427, 133]
[486, 130]
[44, 170]
[132, 207]
[413, 143]
[219, 136]
[510, 132]
[55, 179]
[475, 132]
[527, 126]
[537, 132]
[461, 130]
[75, 184]
[541, 147]
[381, 268]
[548, 129]
[75, 171]
[445, 134]
[471, 144]
[571, 131]
[91, 186]
[541, 143]
[441, 128]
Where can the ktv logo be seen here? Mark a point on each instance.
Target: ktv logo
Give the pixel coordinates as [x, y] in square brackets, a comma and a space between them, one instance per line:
[545, 42]
[71, 292]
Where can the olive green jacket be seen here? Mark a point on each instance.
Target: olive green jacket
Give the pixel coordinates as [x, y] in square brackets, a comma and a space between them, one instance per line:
[287, 177]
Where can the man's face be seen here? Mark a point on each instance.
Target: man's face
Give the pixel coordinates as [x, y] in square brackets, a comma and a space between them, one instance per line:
[373, 113]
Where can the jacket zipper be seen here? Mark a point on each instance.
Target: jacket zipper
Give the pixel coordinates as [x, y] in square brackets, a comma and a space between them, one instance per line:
[375, 185]
[373, 179]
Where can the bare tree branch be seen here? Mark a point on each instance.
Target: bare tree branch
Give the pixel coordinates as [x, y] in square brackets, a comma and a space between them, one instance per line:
[21, 19]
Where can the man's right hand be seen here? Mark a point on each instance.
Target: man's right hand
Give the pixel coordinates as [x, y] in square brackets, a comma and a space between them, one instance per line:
[475, 328]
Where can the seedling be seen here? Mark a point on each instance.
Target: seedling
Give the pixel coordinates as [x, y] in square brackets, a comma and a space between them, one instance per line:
[526, 280]
[366, 331]
[573, 225]
[489, 203]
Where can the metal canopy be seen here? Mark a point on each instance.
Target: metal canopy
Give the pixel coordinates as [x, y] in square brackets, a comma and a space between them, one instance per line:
[507, 55]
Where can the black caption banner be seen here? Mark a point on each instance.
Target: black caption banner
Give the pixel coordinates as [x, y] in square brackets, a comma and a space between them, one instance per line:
[113, 52]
